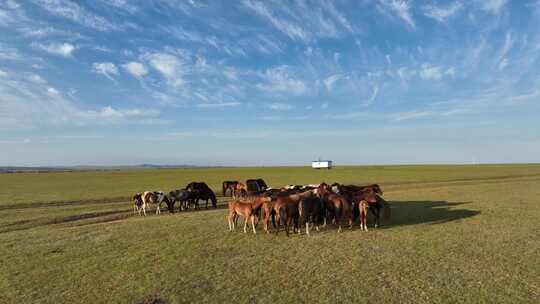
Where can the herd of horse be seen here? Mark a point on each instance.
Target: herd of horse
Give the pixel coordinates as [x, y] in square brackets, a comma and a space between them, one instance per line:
[290, 206]
[189, 196]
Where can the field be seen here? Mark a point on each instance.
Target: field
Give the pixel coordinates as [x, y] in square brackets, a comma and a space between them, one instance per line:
[457, 234]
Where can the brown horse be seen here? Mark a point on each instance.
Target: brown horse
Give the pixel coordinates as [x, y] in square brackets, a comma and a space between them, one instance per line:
[365, 200]
[374, 208]
[336, 206]
[228, 185]
[286, 210]
[248, 210]
[268, 212]
[310, 210]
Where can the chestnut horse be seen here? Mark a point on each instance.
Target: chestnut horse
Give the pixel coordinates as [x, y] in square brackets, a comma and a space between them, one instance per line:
[248, 210]
[286, 210]
[365, 200]
[336, 205]
[375, 208]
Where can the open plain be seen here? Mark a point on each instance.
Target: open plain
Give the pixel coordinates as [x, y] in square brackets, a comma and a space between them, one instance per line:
[457, 234]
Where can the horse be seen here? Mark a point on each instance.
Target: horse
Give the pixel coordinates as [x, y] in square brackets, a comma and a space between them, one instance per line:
[375, 208]
[366, 200]
[156, 197]
[353, 188]
[262, 184]
[286, 210]
[228, 185]
[336, 204]
[138, 204]
[202, 192]
[310, 210]
[184, 197]
[248, 210]
[256, 186]
[268, 212]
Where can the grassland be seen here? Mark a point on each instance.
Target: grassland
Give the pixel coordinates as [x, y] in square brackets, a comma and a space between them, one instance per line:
[458, 234]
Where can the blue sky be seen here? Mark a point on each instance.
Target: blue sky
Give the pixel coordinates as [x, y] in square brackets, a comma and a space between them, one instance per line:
[250, 82]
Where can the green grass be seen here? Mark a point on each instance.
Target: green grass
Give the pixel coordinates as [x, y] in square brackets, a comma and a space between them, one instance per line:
[458, 234]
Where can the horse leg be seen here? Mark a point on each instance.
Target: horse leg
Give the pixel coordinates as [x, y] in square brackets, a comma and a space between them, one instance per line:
[229, 221]
[246, 224]
[277, 218]
[375, 211]
[253, 223]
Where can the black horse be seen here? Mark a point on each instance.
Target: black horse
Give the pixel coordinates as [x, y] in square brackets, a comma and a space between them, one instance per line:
[201, 191]
[256, 186]
[184, 197]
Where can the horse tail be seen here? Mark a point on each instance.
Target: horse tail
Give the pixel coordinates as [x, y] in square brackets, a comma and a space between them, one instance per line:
[224, 187]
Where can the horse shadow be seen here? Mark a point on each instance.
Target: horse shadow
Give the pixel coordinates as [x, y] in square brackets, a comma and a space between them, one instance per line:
[406, 213]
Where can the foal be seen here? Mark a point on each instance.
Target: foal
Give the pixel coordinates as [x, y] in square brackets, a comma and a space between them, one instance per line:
[366, 200]
[138, 204]
[246, 210]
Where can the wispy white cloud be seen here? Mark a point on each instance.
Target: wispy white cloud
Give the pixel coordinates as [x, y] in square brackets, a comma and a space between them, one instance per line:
[136, 69]
[29, 100]
[410, 115]
[284, 118]
[401, 8]
[373, 95]
[277, 106]
[219, 105]
[63, 49]
[442, 14]
[290, 29]
[493, 6]
[75, 12]
[508, 43]
[172, 68]
[35, 78]
[9, 53]
[279, 80]
[330, 80]
[329, 6]
[110, 114]
[106, 69]
[432, 72]
[123, 5]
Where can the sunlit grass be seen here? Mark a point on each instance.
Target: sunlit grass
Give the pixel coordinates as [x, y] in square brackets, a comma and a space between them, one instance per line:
[458, 234]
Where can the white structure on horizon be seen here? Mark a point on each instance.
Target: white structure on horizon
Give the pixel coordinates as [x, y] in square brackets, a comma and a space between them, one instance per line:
[321, 164]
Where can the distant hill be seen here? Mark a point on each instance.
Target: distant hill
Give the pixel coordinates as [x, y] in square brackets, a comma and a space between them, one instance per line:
[14, 169]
